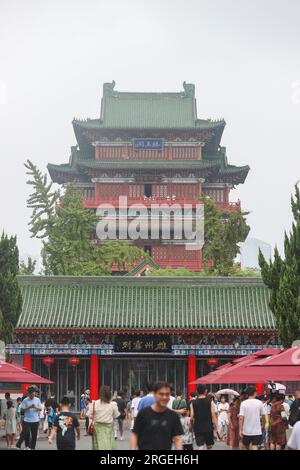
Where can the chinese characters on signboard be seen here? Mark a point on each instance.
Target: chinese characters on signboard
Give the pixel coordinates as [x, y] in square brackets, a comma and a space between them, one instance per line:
[143, 344]
[148, 144]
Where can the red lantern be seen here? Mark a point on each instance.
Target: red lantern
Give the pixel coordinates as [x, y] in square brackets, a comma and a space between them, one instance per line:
[74, 361]
[212, 362]
[48, 361]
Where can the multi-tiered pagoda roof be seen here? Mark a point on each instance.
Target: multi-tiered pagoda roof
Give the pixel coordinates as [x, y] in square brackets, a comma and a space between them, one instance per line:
[171, 116]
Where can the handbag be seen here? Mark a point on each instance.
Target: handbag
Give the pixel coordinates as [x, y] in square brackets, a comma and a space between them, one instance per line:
[91, 425]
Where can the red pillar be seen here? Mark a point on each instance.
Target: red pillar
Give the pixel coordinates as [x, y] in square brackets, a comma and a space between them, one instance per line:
[191, 373]
[94, 377]
[260, 389]
[27, 364]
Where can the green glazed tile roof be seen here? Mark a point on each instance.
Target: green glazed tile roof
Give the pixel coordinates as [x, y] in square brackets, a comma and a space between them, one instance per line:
[94, 124]
[128, 303]
[149, 110]
[139, 110]
[147, 164]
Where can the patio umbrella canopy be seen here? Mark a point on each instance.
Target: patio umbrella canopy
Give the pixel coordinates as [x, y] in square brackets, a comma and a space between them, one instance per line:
[287, 357]
[244, 370]
[10, 373]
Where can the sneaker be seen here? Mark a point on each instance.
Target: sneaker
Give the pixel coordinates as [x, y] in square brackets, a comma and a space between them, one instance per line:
[27, 448]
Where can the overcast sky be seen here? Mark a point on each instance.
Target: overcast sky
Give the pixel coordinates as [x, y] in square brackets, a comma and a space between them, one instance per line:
[243, 56]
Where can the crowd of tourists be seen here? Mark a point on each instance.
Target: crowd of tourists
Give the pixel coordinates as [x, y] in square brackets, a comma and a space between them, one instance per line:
[31, 416]
[159, 419]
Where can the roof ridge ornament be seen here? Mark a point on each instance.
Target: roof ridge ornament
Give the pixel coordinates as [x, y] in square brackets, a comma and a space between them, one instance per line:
[108, 88]
[189, 89]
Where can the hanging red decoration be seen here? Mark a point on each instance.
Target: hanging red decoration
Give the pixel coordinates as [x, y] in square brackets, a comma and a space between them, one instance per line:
[212, 362]
[48, 361]
[74, 361]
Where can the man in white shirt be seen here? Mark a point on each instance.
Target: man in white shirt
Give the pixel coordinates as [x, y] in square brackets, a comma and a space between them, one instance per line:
[134, 407]
[170, 404]
[294, 440]
[252, 412]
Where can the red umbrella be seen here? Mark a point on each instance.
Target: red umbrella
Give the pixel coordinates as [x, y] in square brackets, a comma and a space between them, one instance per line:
[217, 375]
[10, 373]
[243, 370]
[287, 357]
[247, 374]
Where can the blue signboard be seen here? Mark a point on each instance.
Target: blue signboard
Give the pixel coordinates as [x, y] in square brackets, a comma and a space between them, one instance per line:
[148, 144]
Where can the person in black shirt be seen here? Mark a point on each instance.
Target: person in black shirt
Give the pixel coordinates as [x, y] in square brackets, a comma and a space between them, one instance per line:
[122, 410]
[157, 427]
[193, 396]
[295, 409]
[204, 419]
[65, 425]
[52, 402]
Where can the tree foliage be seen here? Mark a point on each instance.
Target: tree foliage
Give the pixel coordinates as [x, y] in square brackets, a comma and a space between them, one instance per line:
[65, 228]
[236, 272]
[42, 202]
[10, 294]
[27, 267]
[223, 230]
[282, 276]
[121, 254]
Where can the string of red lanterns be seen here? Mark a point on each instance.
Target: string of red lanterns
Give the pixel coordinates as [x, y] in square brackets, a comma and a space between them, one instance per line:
[49, 361]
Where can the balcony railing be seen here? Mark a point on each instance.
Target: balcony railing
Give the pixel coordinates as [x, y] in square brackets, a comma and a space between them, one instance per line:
[229, 206]
[148, 201]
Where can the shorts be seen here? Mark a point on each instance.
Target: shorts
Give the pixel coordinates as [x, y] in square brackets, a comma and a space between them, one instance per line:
[63, 445]
[254, 440]
[205, 438]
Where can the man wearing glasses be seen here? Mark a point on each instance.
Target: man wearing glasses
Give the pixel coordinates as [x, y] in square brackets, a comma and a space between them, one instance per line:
[157, 427]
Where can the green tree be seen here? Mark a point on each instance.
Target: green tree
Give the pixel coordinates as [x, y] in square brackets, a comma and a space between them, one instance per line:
[27, 267]
[282, 276]
[121, 254]
[42, 201]
[69, 249]
[223, 230]
[65, 228]
[10, 293]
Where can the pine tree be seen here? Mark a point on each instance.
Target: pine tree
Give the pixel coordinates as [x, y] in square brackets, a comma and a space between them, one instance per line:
[282, 276]
[10, 293]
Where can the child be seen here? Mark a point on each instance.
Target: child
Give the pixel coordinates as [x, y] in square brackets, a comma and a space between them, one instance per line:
[50, 417]
[10, 424]
[64, 426]
[187, 438]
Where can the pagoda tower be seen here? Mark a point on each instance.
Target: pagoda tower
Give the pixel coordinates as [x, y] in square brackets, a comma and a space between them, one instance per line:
[153, 149]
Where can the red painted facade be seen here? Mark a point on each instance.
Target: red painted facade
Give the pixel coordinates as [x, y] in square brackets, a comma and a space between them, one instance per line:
[149, 191]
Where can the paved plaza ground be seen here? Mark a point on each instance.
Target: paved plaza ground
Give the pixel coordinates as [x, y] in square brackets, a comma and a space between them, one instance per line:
[85, 442]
